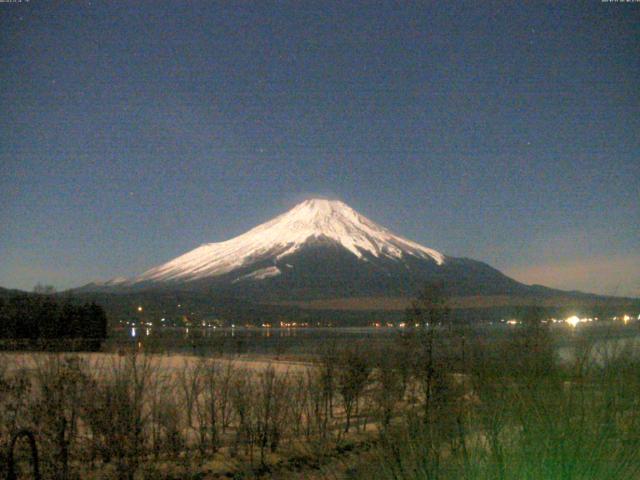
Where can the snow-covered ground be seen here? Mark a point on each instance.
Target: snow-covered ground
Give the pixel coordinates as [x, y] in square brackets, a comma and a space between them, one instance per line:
[167, 363]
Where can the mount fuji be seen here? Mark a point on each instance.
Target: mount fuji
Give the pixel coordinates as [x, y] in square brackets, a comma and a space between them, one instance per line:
[312, 223]
[320, 249]
[322, 262]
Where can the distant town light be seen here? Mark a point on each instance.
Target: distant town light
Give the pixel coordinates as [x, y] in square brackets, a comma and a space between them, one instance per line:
[133, 331]
[139, 308]
[573, 321]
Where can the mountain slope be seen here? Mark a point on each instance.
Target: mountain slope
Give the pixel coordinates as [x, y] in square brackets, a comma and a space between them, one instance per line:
[320, 249]
[311, 222]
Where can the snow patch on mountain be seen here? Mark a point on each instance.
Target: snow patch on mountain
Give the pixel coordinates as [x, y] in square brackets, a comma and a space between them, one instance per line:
[112, 283]
[309, 221]
[260, 274]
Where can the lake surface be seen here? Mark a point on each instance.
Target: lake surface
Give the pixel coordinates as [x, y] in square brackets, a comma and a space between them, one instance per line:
[604, 339]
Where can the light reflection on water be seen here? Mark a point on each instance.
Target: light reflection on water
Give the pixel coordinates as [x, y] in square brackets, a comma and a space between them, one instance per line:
[204, 332]
[303, 340]
[204, 340]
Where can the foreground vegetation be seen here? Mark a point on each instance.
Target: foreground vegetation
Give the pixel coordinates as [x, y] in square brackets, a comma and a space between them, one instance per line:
[522, 417]
[437, 402]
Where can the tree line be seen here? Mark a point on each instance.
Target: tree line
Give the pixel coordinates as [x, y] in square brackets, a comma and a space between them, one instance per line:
[45, 318]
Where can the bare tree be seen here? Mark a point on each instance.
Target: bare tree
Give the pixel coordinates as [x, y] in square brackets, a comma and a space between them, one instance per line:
[56, 411]
[270, 410]
[388, 386]
[115, 412]
[242, 396]
[352, 377]
[430, 311]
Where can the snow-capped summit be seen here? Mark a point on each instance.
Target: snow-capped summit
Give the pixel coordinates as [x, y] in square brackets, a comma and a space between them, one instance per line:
[319, 250]
[310, 222]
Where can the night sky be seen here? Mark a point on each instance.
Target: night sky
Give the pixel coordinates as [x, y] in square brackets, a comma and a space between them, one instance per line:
[132, 132]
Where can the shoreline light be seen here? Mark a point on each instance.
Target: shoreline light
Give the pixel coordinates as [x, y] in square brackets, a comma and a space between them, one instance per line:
[573, 321]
